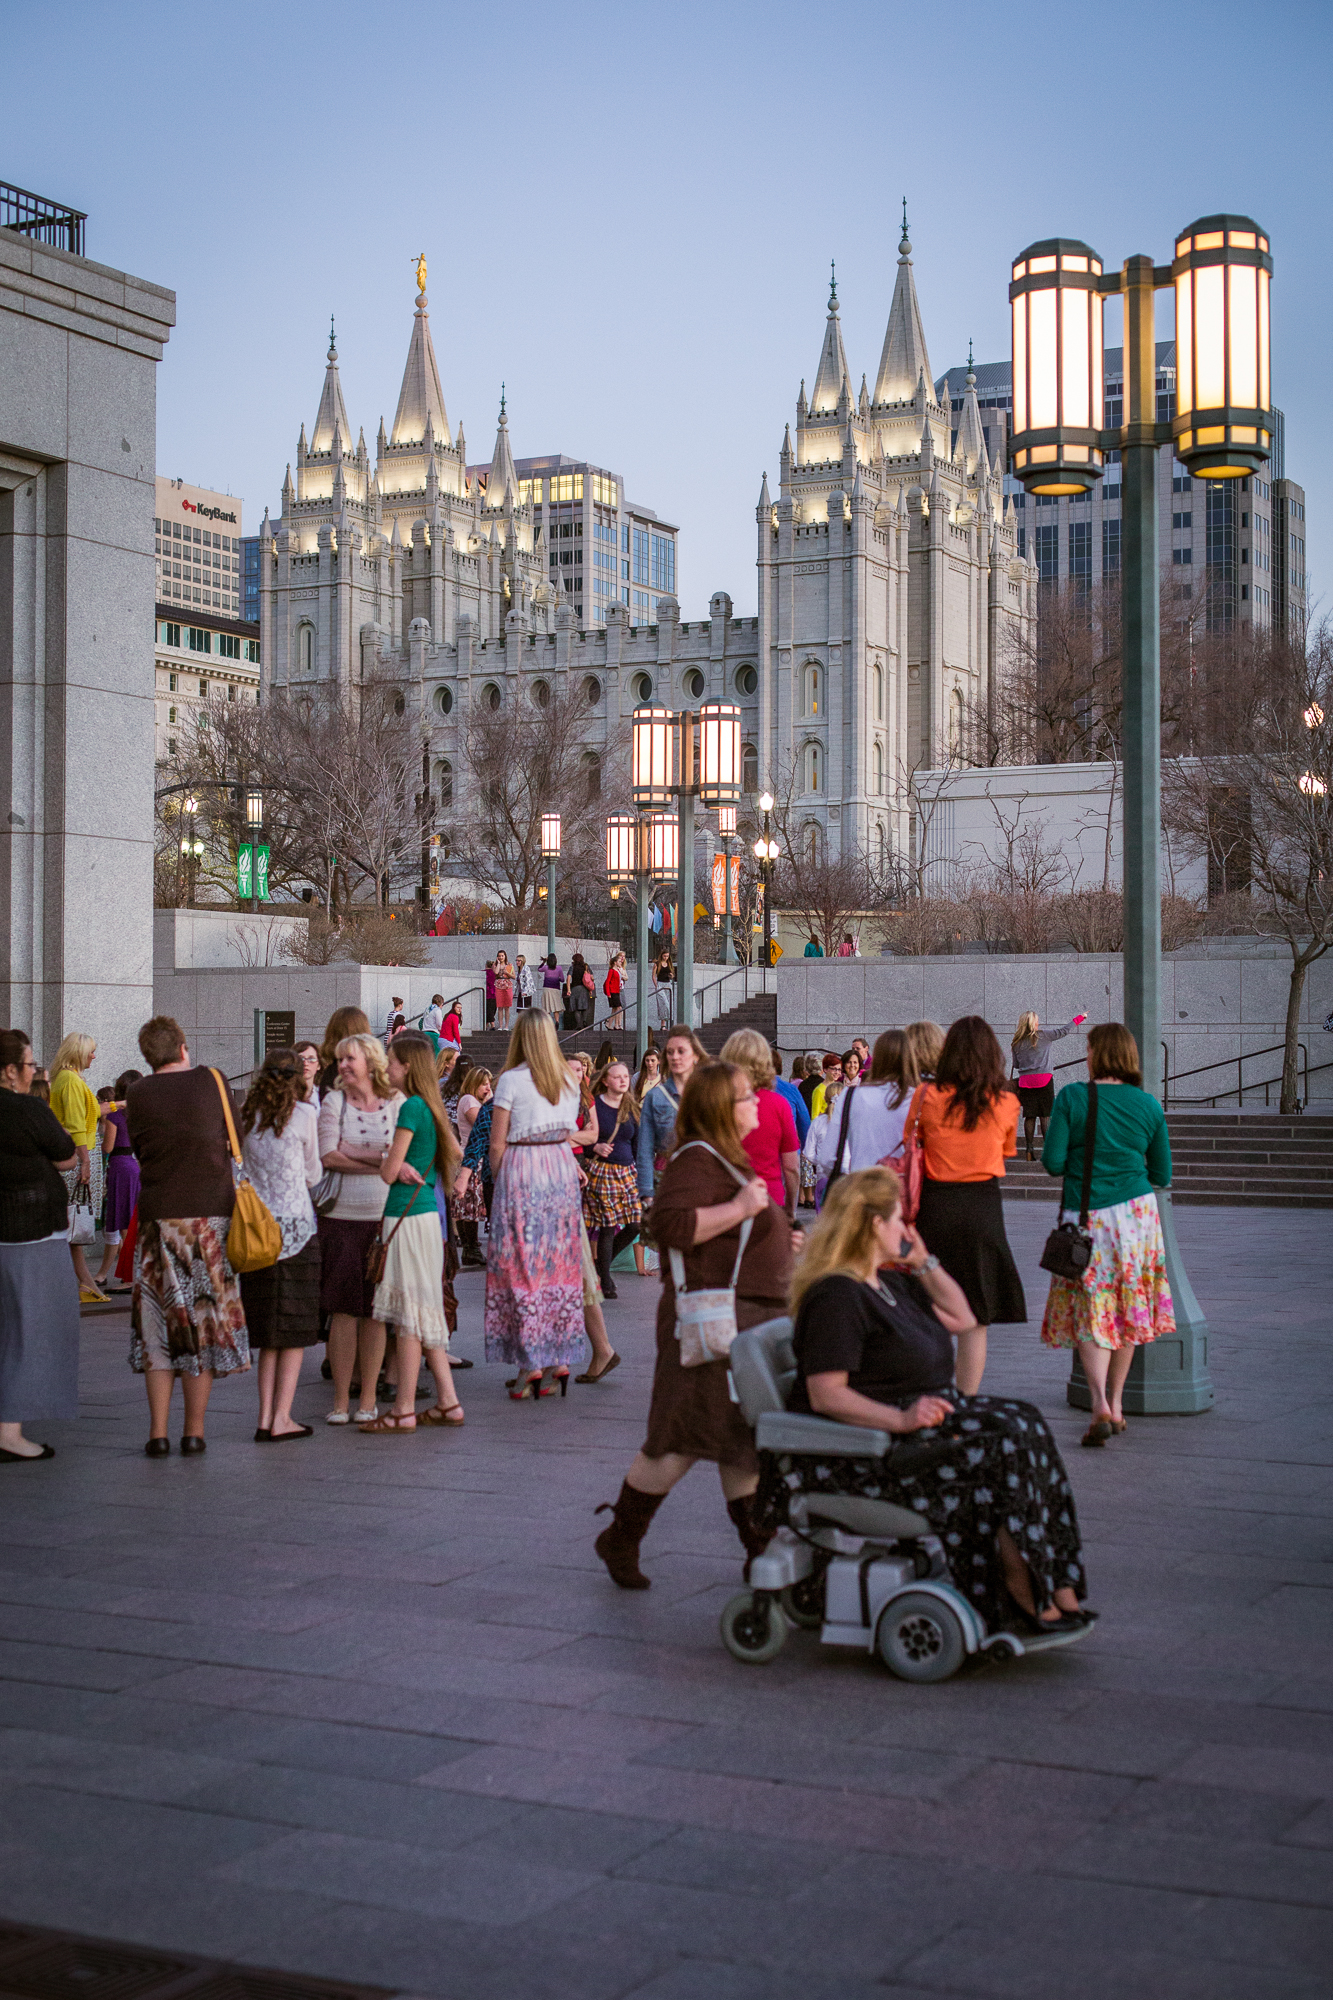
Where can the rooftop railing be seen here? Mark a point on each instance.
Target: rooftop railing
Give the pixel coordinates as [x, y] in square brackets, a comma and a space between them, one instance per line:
[44, 221]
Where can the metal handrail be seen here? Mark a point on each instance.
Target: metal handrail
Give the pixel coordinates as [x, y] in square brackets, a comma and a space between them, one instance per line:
[1225, 1062]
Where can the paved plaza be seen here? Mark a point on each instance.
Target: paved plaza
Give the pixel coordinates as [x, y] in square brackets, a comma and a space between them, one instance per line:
[371, 1709]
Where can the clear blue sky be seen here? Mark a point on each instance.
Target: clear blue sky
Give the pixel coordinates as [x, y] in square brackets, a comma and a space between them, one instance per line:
[629, 210]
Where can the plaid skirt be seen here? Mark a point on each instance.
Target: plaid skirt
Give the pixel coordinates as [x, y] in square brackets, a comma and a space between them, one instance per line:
[611, 1197]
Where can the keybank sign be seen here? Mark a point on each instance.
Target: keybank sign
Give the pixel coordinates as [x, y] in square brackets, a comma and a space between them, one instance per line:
[207, 513]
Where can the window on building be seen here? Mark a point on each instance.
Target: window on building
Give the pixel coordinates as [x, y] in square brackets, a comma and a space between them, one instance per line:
[592, 775]
[747, 680]
[1220, 534]
[203, 689]
[171, 682]
[877, 691]
[231, 690]
[444, 782]
[1047, 551]
[694, 684]
[813, 691]
[444, 700]
[642, 556]
[171, 746]
[813, 767]
[541, 693]
[229, 646]
[200, 641]
[171, 715]
[491, 696]
[1179, 556]
[1110, 548]
[252, 651]
[877, 769]
[663, 563]
[306, 648]
[956, 722]
[1182, 520]
[1080, 553]
[749, 768]
[641, 687]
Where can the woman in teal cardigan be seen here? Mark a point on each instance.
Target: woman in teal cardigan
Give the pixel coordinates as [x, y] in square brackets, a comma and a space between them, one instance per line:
[1124, 1300]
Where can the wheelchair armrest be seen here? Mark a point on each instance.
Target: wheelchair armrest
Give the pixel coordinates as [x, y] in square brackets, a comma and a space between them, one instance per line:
[786, 1431]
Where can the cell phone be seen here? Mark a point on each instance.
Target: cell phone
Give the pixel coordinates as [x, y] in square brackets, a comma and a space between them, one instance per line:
[906, 1248]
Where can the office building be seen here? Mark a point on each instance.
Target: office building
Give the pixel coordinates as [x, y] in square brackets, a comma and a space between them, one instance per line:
[199, 659]
[197, 544]
[1217, 536]
[250, 579]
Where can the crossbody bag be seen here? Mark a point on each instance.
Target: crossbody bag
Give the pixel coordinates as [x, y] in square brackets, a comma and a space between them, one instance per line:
[377, 1250]
[254, 1240]
[1068, 1251]
[706, 1318]
[324, 1194]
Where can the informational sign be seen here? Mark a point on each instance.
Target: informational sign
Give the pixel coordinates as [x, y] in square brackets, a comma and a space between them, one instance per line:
[719, 885]
[275, 1028]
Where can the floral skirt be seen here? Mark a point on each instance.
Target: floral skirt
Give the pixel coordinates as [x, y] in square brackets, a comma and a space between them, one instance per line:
[1124, 1299]
[534, 1260]
[470, 1206]
[611, 1198]
[1006, 1473]
[185, 1311]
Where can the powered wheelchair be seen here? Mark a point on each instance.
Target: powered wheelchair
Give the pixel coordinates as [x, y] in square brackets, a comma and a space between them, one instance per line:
[862, 1572]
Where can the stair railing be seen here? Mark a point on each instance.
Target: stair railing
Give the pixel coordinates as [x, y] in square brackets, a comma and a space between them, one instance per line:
[1241, 1086]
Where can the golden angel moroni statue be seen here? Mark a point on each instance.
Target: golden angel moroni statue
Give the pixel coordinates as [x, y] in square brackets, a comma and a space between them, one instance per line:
[421, 272]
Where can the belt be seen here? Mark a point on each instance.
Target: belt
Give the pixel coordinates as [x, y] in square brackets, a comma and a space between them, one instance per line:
[542, 1139]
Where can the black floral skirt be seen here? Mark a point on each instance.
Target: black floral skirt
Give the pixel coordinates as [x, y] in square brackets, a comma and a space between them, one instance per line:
[1006, 1473]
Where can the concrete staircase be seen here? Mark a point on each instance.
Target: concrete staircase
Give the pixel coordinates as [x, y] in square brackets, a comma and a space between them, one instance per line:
[489, 1046]
[1232, 1159]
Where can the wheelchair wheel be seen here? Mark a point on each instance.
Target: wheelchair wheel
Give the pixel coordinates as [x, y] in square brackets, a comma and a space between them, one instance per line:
[753, 1628]
[919, 1638]
[803, 1603]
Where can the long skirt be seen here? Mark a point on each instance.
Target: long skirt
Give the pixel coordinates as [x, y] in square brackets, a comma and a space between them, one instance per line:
[122, 1193]
[611, 1197]
[1124, 1299]
[282, 1301]
[470, 1206]
[411, 1292]
[962, 1223]
[185, 1311]
[39, 1331]
[534, 1261]
[1006, 1473]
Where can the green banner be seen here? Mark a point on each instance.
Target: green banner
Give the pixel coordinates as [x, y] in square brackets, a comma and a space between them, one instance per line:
[245, 873]
[264, 896]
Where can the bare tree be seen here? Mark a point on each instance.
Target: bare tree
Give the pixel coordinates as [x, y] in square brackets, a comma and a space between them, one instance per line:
[1262, 815]
[827, 894]
[523, 761]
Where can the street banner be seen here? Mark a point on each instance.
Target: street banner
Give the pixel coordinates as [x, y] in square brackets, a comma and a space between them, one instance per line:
[719, 885]
[262, 878]
[245, 873]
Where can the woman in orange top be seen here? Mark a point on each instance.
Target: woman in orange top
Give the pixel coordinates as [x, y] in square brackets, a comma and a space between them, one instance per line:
[969, 1127]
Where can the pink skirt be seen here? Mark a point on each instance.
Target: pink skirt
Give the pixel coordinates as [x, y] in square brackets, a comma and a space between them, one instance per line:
[534, 1260]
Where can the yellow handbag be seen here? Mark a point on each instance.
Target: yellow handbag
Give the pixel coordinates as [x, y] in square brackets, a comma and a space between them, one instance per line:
[254, 1240]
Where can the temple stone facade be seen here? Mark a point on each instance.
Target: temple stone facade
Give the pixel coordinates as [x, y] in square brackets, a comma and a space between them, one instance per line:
[889, 585]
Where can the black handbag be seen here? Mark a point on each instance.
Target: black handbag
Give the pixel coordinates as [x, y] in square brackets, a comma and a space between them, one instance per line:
[1068, 1251]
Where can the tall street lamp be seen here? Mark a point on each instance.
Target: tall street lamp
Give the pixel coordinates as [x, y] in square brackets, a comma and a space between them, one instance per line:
[255, 854]
[676, 759]
[550, 855]
[192, 848]
[726, 826]
[643, 849]
[1221, 430]
[766, 852]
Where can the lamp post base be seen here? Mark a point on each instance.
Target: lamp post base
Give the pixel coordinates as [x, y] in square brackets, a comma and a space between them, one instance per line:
[1168, 1377]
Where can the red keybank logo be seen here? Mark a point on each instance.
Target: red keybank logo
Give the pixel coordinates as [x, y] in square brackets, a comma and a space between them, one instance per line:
[208, 513]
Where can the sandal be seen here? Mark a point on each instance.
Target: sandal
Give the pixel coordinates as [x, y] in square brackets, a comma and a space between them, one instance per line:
[530, 1386]
[1118, 1426]
[438, 1414]
[589, 1376]
[390, 1425]
[1098, 1432]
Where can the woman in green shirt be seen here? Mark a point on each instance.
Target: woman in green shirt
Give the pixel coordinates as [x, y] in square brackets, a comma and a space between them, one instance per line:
[410, 1294]
[1124, 1299]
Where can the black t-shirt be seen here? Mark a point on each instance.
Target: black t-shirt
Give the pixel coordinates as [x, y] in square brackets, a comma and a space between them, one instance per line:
[886, 1337]
[33, 1202]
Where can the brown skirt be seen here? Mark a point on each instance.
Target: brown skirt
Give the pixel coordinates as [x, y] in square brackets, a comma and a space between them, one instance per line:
[691, 1410]
[343, 1284]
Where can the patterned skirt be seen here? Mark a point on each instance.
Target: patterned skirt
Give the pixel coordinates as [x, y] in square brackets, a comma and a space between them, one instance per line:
[534, 1260]
[470, 1206]
[185, 1311]
[1006, 1473]
[1124, 1299]
[611, 1198]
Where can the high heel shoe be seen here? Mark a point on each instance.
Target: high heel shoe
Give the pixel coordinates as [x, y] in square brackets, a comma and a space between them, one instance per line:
[562, 1377]
[531, 1387]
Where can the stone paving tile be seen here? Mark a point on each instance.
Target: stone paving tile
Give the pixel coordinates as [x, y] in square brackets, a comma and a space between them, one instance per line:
[400, 1729]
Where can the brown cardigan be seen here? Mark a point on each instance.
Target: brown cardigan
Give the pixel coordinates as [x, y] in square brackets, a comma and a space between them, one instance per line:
[180, 1136]
[692, 1411]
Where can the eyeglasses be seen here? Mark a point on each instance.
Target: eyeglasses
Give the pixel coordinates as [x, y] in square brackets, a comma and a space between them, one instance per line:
[749, 1098]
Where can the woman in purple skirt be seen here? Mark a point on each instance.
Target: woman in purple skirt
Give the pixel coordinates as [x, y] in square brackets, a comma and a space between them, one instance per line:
[122, 1180]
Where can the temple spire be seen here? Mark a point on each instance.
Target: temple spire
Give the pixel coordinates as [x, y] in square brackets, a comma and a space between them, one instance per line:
[831, 375]
[904, 357]
[502, 476]
[970, 445]
[421, 399]
[332, 409]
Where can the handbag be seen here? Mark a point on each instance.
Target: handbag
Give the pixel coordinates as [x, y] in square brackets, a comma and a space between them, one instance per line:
[324, 1194]
[909, 1162]
[1068, 1251]
[82, 1228]
[706, 1319]
[254, 1240]
[377, 1250]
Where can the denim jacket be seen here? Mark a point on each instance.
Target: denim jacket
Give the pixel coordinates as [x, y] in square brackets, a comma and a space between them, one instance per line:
[655, 1129]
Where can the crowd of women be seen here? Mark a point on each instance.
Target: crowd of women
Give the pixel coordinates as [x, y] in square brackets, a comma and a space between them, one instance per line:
[378, 1168]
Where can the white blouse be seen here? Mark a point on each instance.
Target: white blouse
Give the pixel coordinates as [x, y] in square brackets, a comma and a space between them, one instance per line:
[362, 1196]
[530, 1112]
[284, 1166]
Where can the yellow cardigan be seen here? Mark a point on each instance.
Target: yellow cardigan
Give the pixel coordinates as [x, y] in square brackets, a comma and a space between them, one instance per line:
[75, 1106]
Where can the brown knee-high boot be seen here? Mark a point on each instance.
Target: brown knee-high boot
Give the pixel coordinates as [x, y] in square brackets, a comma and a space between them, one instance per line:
[618, 1544]
[752, 1541]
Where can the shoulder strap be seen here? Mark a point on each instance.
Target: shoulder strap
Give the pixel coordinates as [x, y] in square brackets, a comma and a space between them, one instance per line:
[677, 1262]
[914, 1111]
[1089, 1143]
[842, 1132]
[225, 1095]
[735, 1172]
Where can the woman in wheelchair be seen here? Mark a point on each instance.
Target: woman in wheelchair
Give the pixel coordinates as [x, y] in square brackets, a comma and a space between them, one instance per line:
[875, 1321]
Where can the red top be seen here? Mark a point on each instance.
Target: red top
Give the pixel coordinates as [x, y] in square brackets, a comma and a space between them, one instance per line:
[774, 1135]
